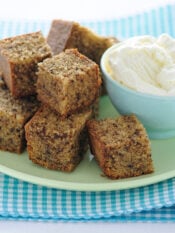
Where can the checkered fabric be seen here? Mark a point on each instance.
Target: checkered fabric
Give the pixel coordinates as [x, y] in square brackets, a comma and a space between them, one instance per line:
[153, 203]
[22, 200]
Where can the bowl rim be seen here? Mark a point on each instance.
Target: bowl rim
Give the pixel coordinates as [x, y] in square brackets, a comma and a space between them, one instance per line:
[106, 75]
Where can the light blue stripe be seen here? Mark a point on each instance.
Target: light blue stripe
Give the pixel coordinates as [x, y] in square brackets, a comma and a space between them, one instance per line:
[121, 28]
[103, 201]
[93, 203]
[44, 201]
[161, 194]
[137, 23]
[166, 20]
[5, 196]
[153, 19]
[170, 19]
[131, 31]
[35, 197]
[25, 198]
[162, 19]
[159, 21]
[54, 201]
[114, 202]
[83, 196]
[132, 200]
[63, 203]
[122, 201]
[9, 31]
[107, 27]
[15, 197]
[151, 195]
[114, 29]
[147, 30]
[16, 29]
[35, 26]
[74, 202]
[171, 192]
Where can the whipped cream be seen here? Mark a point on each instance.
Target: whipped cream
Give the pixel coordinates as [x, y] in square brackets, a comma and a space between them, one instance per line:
[145, 64]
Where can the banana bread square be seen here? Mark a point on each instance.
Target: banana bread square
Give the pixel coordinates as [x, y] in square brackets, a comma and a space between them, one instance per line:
[19, 57]
[68, 34]
[120, 146]
[68, 82]
[54, 142]
[14, 113]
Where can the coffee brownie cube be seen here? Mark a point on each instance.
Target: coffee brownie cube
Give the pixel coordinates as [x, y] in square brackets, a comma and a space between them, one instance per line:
[19, 56]
[54, 142]
[120, 146]
[68, 82]
[14, 113]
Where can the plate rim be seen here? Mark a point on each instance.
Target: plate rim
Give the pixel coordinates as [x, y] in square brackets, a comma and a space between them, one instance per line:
[120, 184]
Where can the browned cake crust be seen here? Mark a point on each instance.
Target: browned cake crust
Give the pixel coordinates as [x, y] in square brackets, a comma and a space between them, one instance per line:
[67, 34]
[19, 56]
[14, 113]
[121, 147]
[68, 82]
[54, 142]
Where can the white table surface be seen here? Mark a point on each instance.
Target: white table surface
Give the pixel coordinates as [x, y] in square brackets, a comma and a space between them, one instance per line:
[78, 10]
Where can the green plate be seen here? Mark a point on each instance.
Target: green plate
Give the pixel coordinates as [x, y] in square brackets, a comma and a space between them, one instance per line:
[88, 176]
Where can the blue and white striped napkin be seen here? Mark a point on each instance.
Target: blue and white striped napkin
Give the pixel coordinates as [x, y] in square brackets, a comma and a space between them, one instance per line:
[154, 22]
[153, 203]
[26, 201]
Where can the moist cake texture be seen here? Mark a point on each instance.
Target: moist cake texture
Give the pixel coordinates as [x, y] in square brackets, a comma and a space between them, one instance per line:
[54, 142]
[120, 146]
[14, 113]
[68, 82]
[19, 57]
